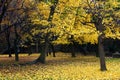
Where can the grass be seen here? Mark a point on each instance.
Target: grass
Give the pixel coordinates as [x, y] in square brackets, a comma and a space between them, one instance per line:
[62, 67]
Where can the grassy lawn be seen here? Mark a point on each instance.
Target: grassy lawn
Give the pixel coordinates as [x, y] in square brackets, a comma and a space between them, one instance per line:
[62, 67]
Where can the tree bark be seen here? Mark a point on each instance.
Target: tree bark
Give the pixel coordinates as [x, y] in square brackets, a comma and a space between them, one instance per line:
[29, 49]
[100, 27]
[97, 52]
[16, 51]
[7, 33]
[16, 44]
[44, 51]
[37, 46]
[42, 57]
[101, 53]
[73, 50]
[53, 50]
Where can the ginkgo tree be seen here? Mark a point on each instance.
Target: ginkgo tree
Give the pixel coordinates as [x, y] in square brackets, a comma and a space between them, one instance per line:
[104, 16]
[42, 18]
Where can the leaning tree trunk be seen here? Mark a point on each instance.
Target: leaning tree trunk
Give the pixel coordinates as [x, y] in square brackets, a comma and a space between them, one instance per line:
[101, 53]
[44, 51]
[42, 57]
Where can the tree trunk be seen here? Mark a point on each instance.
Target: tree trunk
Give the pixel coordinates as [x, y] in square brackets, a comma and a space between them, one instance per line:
[53, 50]
[97, 52]
[29, 49]
[16, 50]
[7, 33]
[44, 51]
[16, 44]
[42, 57]
[10, 55]
[101, 53]
[100, 27]
[37, 46]
[73, 50]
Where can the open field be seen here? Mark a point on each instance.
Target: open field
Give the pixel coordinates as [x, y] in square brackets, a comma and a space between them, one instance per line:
[62, 67]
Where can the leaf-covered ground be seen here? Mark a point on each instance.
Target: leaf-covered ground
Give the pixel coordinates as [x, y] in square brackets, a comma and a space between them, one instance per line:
[62, 67]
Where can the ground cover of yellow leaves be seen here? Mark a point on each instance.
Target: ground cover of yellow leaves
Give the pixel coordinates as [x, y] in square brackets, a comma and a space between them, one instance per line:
[62, 67]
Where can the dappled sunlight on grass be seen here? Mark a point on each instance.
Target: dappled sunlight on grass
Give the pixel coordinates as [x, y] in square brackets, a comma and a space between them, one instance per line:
[62, 67]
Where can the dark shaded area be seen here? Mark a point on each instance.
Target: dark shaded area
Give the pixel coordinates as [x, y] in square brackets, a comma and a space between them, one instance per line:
[110, 46]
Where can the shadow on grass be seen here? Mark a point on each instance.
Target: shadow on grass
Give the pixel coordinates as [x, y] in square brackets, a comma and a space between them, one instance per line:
[59, 60]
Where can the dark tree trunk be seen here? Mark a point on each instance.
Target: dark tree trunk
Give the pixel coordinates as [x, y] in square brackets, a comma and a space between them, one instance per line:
[29, 50]
[37, 46]
[42, 57]
[53, 50]
[73, 50]
[101, 53]
[44, 51]
[7, 33]
[16, 44]
[85, 52]
[10, 55]
[97, 52]
[100, 27]
[49, 51]
[72, 46]
[16, 51]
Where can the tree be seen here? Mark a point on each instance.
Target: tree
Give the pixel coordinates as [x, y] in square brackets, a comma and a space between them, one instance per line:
[16, 12]
[3, 8]
[103, 16]
[43, 21]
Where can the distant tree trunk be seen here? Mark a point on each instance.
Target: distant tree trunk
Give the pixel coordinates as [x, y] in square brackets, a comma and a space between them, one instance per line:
[101, 53]
[7, 33]
[72, 45]
[42, 57]
[97, 52]
[16, 50]
[49, 50]
[29, 50]
[37, 46]
[73, 49]
[53, 50]
[85, 52]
